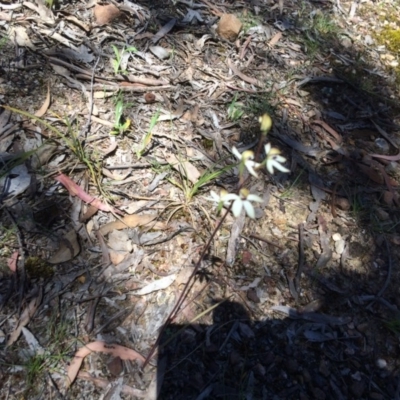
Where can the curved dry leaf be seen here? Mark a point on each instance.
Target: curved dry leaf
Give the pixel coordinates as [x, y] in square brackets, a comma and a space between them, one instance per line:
[188, 170]
[5, 16]
[25, 318]
[19, 36]
[129, 221]
[45, 105]
[124, 353]
[12, 261]
[159, 284]
[76, 190]
[69, 248]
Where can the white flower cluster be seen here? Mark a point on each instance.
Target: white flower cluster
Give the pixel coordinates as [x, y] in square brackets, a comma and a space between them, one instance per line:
[272, 161]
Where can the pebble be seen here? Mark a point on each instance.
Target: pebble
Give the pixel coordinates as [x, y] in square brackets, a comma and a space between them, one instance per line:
[336, 236]
[339, 246]
[381, 363]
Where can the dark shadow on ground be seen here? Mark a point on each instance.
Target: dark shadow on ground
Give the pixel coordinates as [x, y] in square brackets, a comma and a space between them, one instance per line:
[310, 355]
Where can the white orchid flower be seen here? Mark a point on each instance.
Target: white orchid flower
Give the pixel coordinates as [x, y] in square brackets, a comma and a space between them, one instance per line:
[246, 159]
[217, 198]
[243, 200]
[274, 159]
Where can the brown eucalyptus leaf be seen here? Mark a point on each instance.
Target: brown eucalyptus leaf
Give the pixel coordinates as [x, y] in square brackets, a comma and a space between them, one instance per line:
[69, 248]
[129, 221]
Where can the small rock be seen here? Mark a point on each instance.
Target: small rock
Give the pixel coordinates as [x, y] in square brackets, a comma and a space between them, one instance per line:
[339, 246]
[381, 363]
[119, 241]
[382, 215]
[105, 14]
[149, 97]
[259, 370]
[342, 203]
[346, 42]
[336, 236]
[392, 167]
[160, 52]
[229, 27]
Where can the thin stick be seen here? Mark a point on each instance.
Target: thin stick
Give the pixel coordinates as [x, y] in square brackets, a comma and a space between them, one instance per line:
[301, 258]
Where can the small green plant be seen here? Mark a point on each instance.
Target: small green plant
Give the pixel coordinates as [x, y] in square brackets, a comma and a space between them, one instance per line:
[3, 41]
[323, 24]
[235, 110]
[289, 192]
[249, 20]
[116, 62]
[139, 150]
[190, 189]
[393, 325]
[121, 124]
[72, 141]
[257, 105]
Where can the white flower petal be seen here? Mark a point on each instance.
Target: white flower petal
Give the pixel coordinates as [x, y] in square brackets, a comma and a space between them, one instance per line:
[272, 163]
[279, 158]
[237, 207]
[236, 153]
[267, 148]
[215, 196]
[249, 209]
[230, 197]
[250, 165]
[254, 197]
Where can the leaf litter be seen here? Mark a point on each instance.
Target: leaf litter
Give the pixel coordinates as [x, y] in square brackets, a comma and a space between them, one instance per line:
[304, 313]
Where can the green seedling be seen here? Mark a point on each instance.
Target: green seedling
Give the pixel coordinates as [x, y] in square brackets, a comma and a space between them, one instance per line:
[235, 110]
[116, 62]
[139, 150]
[393, 325]
[190, 189]
[289, 192]
[69, 140]
[121, 124]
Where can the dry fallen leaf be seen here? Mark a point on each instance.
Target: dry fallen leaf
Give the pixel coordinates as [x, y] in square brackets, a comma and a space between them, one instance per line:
[159, 284]
[45, 105]
[76, 190]
[129, 221]
[188, 170]
[25, 318]
[12, 261]
[19, 36]
[69, 248]
[124, 353]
